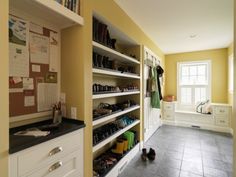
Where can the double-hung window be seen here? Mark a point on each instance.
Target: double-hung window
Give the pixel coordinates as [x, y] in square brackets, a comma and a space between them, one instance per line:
[194, 83]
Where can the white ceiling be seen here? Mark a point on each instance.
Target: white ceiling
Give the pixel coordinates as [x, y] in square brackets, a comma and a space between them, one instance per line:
[183, 25]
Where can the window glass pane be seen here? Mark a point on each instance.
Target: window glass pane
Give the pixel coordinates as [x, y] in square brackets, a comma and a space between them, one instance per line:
[201, 70]
[192, 79]
[201, 79]
[200, 95]
[184, 71]
[193, 70]
[184, 80]
[186, 96]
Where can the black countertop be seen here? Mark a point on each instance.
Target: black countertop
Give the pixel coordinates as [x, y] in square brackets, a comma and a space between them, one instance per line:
[18, 143]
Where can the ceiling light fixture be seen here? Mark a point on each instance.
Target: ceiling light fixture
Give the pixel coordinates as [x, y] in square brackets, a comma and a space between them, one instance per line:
[193, 36]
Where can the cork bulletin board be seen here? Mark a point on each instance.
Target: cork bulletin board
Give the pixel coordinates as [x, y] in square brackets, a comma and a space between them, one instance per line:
[26, 41]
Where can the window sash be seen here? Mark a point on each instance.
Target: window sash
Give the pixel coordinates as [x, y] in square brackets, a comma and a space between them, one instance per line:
[206, 85]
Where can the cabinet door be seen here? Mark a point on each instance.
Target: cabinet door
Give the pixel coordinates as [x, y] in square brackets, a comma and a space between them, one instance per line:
[168, 115]
[221, 110]
[69, 166]
[222, 121]
[35, 157]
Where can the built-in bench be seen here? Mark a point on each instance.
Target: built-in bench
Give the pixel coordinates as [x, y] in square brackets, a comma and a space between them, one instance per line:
[219, 120]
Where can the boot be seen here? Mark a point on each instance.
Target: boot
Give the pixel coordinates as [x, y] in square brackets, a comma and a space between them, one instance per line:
[119, 147]
[151, 154]
[125, 145]
[144, 154]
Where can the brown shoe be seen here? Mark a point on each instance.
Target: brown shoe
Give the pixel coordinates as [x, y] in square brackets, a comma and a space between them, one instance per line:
[144, 154]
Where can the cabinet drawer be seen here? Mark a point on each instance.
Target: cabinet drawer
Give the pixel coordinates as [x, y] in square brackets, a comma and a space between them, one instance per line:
[221, 110]
[168, 107]
[67, 166]
[222, 121]
[168, 115]
[44, 153]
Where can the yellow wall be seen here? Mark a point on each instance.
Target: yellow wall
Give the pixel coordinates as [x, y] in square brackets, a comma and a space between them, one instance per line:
[230, 52]
[114, 14]
[219, 64]
[4, 125]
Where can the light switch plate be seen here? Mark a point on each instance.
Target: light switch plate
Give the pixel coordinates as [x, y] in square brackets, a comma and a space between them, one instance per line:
[73, 112]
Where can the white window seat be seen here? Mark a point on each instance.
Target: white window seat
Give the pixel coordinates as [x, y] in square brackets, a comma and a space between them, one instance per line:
[219, 120]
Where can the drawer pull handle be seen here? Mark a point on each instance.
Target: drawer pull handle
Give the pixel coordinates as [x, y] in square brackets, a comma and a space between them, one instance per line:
[222, 121]
[55, 166]
[55, 151]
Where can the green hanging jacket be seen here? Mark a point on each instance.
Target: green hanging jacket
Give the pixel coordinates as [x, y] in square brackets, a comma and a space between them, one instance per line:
[155, 98]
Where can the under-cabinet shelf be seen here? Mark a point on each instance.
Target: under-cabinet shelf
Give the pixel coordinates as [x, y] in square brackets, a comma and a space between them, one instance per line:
[113, 54]
[116, 74]
[107, 95]
[48, 10]
[112, 137]
[112, 116]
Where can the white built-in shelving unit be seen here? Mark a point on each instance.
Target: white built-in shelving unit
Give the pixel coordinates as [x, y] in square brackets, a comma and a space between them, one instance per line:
[112, 77]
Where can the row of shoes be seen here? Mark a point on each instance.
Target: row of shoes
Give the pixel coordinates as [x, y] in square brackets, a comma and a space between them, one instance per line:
[101, 34]
[98, 88]
[104, 163]
[103, 132]
[101, 61]
[106, 108]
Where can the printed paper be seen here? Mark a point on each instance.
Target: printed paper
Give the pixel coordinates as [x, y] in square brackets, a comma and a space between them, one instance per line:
[29, 101]
[36, 68]
[47, 95]
[54, 57]
[39, 48]
[18, 60]
[28, 83]
[18, 31]
[36, 28]
[17, 80]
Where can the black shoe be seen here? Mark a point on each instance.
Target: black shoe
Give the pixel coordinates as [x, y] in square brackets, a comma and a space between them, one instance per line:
[151, 154]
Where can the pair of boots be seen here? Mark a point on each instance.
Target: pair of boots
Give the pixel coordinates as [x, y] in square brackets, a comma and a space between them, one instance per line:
[150, 155]
[121, 146]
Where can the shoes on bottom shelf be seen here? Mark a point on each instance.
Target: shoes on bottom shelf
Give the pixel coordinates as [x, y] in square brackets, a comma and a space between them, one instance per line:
[104, 163]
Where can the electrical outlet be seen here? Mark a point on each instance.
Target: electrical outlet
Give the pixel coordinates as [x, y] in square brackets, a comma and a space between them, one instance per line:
[73, 112]
[63, 98]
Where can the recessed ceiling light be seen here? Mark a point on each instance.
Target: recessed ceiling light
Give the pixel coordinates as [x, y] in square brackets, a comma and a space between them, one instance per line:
[193, 36]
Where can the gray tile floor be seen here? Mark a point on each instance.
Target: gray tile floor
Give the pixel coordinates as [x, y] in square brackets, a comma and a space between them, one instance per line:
[185, 152]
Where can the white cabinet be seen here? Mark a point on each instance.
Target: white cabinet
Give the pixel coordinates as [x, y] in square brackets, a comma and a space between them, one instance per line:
[222, 114]
[62, 156]
[168, 110]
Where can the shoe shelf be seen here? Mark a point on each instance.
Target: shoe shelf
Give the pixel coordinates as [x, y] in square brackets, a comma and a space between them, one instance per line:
[120, 165]
[103, 50]
[107, 95]
[112, 137]
[49, 10]
[112, 116]
[113, 73]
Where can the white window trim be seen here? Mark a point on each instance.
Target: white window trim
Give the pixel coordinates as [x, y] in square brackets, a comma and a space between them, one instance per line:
[190, 107]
